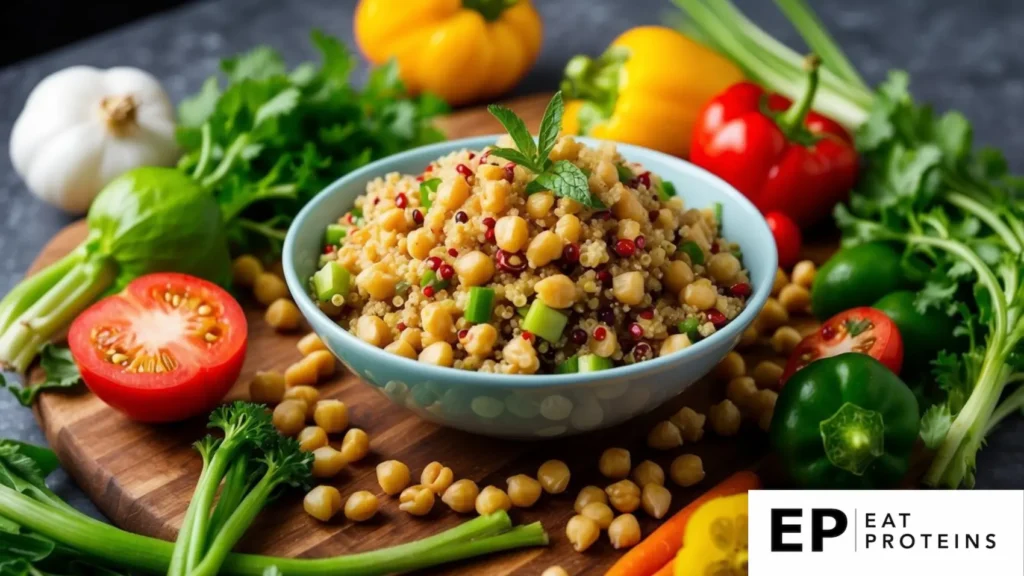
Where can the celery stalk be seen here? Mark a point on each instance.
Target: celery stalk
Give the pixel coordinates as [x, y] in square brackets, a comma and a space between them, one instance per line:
[814, 33]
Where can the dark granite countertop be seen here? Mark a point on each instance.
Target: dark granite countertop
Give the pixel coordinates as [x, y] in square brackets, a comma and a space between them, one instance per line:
[960, 56]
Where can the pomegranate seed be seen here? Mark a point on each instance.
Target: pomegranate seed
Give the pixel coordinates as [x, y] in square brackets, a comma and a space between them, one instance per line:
[428, 291]
[636, 330]
[640, 242]
[400, 326]
[485, 155]
[429, 168]
[647, 314]
[420, 177]
[604, 277]
[489, 235]
[510, 172]
[509, 261]
[463, 333]
[603, 215]
[446, 272]
[433, 263]
[740, 290]
[714, 248]
[828, 332]
[717, 318]
[578, 336]
[653, 215]
[489, 222]
[401, 201]
[453, 252]
[571, 252]
[472, 155]
[348, 217]
[642, 351]
[600, 333]
[461, 217]
[329, 248]
[377, 201]
[417, 216]
[527, 336]
[464, 170]
[625, 247]
[606, 316]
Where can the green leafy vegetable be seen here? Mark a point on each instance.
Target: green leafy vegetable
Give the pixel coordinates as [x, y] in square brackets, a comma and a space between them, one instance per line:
[565, 180]
[60, 370]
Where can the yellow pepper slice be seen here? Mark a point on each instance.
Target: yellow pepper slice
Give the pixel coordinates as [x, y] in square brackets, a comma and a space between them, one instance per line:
[646, 89]
[715, 541]
[460, 50]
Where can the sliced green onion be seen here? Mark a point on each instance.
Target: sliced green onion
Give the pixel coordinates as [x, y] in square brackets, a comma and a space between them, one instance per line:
[331, 280]
[480, 304]
[426, 187]
[545, 322]
[594, 363]
[570, 365]
[691, 249]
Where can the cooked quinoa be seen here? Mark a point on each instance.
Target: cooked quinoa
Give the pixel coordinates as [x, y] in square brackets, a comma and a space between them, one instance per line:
[646, 277]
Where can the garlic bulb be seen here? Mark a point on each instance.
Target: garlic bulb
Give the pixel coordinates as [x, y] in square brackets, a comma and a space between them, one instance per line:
[82, 127]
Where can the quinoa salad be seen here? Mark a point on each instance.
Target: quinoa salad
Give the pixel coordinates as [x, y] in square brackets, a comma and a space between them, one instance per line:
[460, 266]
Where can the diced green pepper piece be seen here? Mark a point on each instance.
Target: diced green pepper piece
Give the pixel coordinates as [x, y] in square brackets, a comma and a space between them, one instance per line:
[570, 365]
[594, 363]
[625, 174]
[331, 280]
[666, 190]
[426, 187]
[430, 278]
[545, 322]
[334, 234]
[693, 251]
[689, 327]
[480, 304]
[522, 310]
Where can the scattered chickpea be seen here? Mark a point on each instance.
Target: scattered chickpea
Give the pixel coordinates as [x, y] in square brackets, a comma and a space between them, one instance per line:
[749, 336]
[624, 496]
[416, 500]
[614, 463]
[437, 477]
[511, 233]
[361, 506]
[664, 436]
[724, 267]
[804, 273]
[700, 294]
[690, 423]
[624, 532]
[491, 499]
[655, 500]
[310, 343]
[267, 388]
[677, 275]
[301, 373]
[438, 353]
[582, 532]
[771, 316]
[767, 374]
[785, 340]
[687, 470]
[480, 340]
[331, 415]
[268, 287]
[764, 421]
[373, 330]
[355, 445]
[568, 228]
[544, 248]
[539, 205]
[587, 495]
[393, 476]
[763, 401]
[401, 348]
[461, 496]
[674, 343]
[553, 476]
[554, 571]
[740, 391]
[628, 288]
[474, 268]
[795, 298]
[558, 291]
[780, 280]
[290, 417]
[730, 367]
[245, 269]
[311, 438]
[327, 462]
[523, 491]
[306, 394]
[322, 502]
[725, 418]
[648, 472]
[324, 362]
[599, 512]
[283, 315]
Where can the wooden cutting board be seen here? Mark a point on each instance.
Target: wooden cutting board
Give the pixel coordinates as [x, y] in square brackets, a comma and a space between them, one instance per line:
[142, 476]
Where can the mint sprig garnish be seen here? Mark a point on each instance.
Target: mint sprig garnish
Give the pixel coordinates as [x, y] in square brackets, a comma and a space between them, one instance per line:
[563, 178]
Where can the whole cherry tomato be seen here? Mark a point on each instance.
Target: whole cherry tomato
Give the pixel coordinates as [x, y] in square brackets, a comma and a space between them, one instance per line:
[787, 237]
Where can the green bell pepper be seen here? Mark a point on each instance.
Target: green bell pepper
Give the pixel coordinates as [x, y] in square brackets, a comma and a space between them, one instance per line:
[924, 335]
[845, 422]
[857, 276]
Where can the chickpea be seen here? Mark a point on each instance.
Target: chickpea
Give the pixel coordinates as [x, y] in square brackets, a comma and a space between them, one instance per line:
[554, 571]
[413, 337]
[245, 269]
[725, 418]
[779, 281]
[771, 316]
[539, 205]
[690, 423]
[268, 288]
[327, 462]
[437, 320]
[311, 438]
[495, 197]
[523, 490]
[266, 387]
[648, 472]
[558, 291]
[553, 476]
[511, 233]
[664, 436]
[568, 228]
[628, 288]
[587, 495]
[686, 470]
[732, 366]
[655, 499]
[628, 205]
[666, 220]
[582, 532]
[290, 417]
[624, 496]
[749, 337]
[723, 267]
[373, 330]
[628, 229]
[301, 373]
[605, 172]
[700, 294]
[416, 500]
[453, 193]
[764, 421]
[310, 343]
[491, 499]
[674, 343]
[624, 532]
[437, 477]
[393, 476]
[677, 275]
[306, 394]
[762, 404]
[605, 348]
[324, 362]
[480, 340]
[322, 502]
[393, 220]
[614, 463]
[419, 242]
[461, 496]
[474, 268]
[401, 348]
[785, 340]
[378, 284]
[438, 353]
[795, 298]
[767, 374]
[566, 148]
[599, 512]
[740, 391]
[355, 445]
[331, 415]
[804, 273]
[361, 506]
[544, 248]
[521, 356]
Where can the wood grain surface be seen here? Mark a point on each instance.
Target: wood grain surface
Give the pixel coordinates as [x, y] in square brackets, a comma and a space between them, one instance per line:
[142, 476]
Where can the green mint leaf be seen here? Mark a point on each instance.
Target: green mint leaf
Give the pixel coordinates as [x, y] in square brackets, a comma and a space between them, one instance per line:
[565, 180]
[935, 424]
[281, 104]
[517, 129]
[426, 188]
[953, 136]
[550, 125]
[259, 63]
[625, 174]
[516, 156]
[194, 111]
[338, 61]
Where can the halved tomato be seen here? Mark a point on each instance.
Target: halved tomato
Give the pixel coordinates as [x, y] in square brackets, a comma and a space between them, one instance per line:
[863, 330]
[166, 348]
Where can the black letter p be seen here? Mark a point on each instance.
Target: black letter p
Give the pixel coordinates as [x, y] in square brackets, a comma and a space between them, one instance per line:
[818, 532]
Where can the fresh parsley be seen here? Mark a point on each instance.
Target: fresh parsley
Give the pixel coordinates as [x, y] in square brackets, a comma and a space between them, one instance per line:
[563, 178]
[60, 370]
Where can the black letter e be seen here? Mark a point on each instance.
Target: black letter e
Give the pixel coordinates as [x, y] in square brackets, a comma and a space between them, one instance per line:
[779, 528]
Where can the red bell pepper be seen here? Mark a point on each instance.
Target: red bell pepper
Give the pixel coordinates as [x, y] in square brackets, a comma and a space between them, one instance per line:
[783, 157]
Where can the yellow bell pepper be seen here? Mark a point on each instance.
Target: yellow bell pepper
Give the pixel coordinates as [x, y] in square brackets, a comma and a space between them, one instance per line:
[460, 50]
[715, 541]
[646, 89]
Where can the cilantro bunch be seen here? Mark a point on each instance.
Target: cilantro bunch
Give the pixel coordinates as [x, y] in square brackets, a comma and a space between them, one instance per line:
[272, 138]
